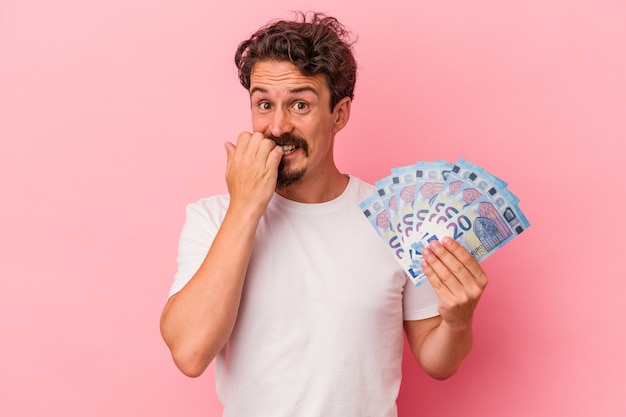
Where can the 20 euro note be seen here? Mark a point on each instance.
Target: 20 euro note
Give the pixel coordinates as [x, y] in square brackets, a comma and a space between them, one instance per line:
[464, 176]
[374, 209]
[426, 190]
[386, 194]
[459, 190]
[465, 168]
[482, 227]
[460, 200]
[404, 182]
[465, 184]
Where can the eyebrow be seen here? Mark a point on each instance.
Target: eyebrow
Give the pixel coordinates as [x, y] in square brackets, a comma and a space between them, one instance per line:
[292, 91]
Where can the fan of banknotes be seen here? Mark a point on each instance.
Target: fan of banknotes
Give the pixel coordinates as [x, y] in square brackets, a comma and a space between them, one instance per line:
[431, 200]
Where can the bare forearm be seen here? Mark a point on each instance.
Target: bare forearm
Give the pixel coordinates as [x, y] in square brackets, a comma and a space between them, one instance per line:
[459, 281]
[444, 349]
[197, 321]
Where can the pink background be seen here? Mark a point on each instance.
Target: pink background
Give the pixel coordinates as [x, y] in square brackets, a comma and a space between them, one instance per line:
[112, 118]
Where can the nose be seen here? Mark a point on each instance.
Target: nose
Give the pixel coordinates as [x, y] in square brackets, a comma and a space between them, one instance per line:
[280, 123]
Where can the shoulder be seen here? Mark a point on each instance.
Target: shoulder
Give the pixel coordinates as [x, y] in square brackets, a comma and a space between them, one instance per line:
[210, 209]
[360, 188]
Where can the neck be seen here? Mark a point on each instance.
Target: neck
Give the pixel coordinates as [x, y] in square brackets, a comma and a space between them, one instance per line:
[319, 190]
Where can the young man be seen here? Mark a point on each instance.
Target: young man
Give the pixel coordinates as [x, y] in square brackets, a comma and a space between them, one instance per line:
[283, 280]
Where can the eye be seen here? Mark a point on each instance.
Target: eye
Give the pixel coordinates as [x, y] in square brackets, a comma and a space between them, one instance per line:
[300, 106]
[264, 105]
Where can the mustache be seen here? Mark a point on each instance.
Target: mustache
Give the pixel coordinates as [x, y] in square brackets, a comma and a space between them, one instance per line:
[288, 139]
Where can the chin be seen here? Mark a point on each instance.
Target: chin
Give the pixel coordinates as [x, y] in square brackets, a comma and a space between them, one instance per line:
[286, 179]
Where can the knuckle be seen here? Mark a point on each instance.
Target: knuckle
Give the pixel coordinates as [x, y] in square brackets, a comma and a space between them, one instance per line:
[465, 257]
[446, 276]
[437, 284]
[482, 280]
[457, 268]
[268, 141]
[474, 293]
[462, 300]
[434, 279]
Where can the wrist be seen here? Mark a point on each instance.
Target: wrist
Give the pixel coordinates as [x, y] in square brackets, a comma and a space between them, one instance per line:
[457, 326]
[246, 212]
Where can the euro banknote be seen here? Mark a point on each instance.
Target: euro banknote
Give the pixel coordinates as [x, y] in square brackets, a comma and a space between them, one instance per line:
[374, 209]
[460, 200]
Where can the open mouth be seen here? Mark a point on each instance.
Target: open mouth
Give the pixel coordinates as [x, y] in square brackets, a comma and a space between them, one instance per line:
[290, 143]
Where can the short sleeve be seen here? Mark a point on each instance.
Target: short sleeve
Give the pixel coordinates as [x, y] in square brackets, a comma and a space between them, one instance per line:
[419, 302]
[201, 224]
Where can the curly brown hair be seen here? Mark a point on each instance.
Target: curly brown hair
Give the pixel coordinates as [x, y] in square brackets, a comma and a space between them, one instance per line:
[314, 43]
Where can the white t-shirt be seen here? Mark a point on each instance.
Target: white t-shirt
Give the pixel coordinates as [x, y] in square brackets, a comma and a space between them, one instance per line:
[319, 331]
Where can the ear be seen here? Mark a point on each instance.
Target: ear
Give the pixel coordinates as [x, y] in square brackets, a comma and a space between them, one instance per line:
[341, 113]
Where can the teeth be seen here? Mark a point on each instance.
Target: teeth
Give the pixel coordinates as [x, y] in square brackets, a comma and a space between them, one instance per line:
[288, 149]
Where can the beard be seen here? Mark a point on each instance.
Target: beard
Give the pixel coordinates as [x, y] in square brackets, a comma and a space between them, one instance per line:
[286, 175]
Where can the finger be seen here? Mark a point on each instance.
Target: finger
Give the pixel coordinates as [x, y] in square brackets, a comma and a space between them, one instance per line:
[439, 270]
[447, 298]
[274, 157]
[453, 267]
[468, 261]
[437, 283]
[269, 154]
[243, 141]
[230, 148]
[264, 147]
